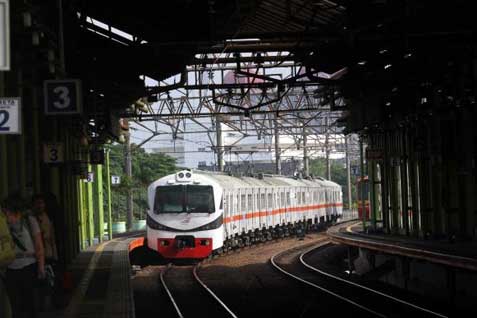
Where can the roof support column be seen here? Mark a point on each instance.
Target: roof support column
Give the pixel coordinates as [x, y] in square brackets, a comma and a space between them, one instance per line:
[3, 150]
[348, 174]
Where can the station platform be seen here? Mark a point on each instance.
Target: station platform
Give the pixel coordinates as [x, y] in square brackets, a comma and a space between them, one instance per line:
[459, 254]
[100, 282]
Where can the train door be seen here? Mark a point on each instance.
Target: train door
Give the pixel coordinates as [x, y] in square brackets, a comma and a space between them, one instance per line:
[288, 206]
[263, 208]
[225, 212]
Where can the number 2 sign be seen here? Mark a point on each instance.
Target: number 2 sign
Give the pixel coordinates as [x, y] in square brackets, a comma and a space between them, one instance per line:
[10, 115]
[62, 97]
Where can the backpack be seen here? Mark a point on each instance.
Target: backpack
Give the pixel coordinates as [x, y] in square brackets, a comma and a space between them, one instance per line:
[7, 247]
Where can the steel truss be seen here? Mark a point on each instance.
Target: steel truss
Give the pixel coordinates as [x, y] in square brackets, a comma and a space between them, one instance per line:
[256, 103]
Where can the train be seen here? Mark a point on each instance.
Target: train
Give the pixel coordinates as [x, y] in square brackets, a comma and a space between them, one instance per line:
[362, 186]
[193, 214]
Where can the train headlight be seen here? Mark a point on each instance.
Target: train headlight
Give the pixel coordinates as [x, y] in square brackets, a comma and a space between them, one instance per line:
[205, 242]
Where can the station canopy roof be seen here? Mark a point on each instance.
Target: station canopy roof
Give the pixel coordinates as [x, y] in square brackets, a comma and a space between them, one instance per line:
[110, 44]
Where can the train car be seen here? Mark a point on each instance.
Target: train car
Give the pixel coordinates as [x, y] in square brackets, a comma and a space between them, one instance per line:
[193, 213]
[362, 186]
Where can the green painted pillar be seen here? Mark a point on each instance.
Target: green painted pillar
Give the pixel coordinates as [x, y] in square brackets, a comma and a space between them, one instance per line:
[90, 208]
[98, 199]
[108, 183]
[81, 212]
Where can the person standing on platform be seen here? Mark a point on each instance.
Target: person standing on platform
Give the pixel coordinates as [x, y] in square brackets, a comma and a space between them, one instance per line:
[42, 211]
[29, 264]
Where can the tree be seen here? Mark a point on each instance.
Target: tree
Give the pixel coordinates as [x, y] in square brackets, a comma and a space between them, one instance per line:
[146, 167]
[338, 175]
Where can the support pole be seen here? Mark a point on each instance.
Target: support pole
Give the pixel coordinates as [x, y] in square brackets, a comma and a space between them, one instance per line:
[348, 175]
[327, 150]
[363, 194]
[90, 208]
[3, 150]
[128, 168]
[98, 199]
[219, 145]
[278, 160]
[306, 163]
[108, 187]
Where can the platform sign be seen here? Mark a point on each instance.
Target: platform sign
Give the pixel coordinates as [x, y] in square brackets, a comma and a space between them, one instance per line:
[53, 152]
[10, 116]
[62, 97]
[115, 180]
[4, 35]
[90, 177]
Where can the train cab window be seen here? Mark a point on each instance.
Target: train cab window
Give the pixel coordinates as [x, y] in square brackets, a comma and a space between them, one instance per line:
[169, 199]
[199, 199]
[184, 198]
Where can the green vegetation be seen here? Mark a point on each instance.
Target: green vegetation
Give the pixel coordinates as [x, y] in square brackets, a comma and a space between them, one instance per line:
[146, 167]
[338, 175]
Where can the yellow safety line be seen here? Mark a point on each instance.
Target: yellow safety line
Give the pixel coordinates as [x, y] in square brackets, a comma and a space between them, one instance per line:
[80, 291]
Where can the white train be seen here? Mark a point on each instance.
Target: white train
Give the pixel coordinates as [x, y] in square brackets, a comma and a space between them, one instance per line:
[193, 213]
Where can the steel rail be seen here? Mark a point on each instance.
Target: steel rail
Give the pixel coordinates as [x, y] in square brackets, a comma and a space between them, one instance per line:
[179, 313]
[364, 287]
[274, 264]
[197, 278]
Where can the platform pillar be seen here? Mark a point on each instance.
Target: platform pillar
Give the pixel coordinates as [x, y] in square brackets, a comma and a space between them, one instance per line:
[90, 208]
[98, 199]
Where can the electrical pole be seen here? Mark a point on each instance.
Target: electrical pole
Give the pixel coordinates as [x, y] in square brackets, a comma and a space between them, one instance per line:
[278, 160]
[219, 146]
[327, 151]
[306, 168]
[128, 171]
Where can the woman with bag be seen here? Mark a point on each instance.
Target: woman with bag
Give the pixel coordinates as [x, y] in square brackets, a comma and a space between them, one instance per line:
[29, 263]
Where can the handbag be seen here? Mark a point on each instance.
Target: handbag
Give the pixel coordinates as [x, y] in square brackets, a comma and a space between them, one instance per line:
[7, 247]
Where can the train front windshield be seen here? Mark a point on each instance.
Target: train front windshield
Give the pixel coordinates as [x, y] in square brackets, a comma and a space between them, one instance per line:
[184, 199]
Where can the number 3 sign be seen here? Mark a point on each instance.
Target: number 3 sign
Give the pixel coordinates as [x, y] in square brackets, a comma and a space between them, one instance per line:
[53, 152]
[62, 97]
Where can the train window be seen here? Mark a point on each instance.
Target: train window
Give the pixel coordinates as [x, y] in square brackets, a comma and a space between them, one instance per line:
[303, 197]
[199, 198]
[282, 199]
[169, 199]
[243, 203]
[184, 198]
[262, 201]
[249, 202]
[270, 201]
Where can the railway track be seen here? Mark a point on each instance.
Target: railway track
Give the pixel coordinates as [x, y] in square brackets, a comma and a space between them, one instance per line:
[189, 295]
[347, 295]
